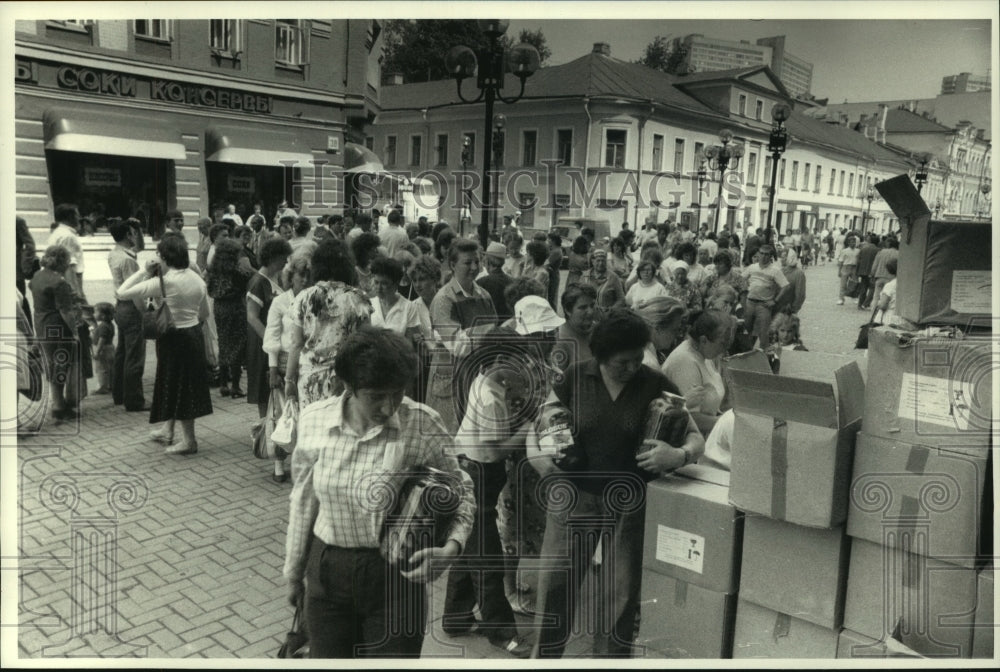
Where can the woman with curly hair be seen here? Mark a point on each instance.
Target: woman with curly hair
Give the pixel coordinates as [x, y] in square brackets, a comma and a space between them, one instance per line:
[227, 285]
[365, 248]
[263, 288]
[322, 317]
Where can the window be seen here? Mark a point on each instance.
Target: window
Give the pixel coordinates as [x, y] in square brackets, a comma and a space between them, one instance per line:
[781, 171]
[158, 29]
[656, 163]
[833, 180]
[768, 166]
[759, 110]
[370, 143]
[442, 149]
[562, 207]
[752, 169]
[678, 156]
[805, 179]
[499, 143]
[614, 148]
[699, 154]
[469, 155]
[795, 174]
[743, 105]
[416, 145]
[390, 150]
[224, 36]
[850, 184]
[840, 187]
[289, 42]
[529, 148]
[526, 203]
[73, 24]
[819, 179]
[564, 146]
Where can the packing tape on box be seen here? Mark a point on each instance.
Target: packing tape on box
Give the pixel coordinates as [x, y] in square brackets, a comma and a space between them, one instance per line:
[782, 626]
[779, 468]
[916, 461]
[680, 593]
[909, 508]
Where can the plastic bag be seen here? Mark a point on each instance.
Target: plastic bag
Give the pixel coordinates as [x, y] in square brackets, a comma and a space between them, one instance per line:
[284, 429]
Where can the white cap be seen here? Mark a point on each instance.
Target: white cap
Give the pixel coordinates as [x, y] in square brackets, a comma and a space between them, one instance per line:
[533, 314]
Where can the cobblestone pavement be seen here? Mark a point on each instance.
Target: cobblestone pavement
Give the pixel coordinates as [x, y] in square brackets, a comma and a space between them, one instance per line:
[181, 556]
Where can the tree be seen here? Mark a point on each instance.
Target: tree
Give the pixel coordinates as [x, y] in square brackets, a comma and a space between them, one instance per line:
[416, 48]
[661, 55]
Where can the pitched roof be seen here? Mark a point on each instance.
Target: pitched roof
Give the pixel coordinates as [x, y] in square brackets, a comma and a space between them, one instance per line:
[904, 121]
[734, 73]
[590, 75]
[805, 128]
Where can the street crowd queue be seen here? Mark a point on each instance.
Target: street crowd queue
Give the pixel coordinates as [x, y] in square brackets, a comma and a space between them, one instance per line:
[404, 346]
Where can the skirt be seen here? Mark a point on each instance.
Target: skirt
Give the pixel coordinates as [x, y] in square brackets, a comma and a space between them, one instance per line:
[231, 323]
[181, 388]
[257, 388]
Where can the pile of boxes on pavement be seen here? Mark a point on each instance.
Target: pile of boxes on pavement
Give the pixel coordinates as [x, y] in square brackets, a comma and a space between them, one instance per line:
[856, 521]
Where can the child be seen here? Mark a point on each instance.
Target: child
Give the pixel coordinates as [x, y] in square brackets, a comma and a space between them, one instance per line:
[784, 335]
[104, 349]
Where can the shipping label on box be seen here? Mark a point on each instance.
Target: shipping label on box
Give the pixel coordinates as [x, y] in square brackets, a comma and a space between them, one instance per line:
[792, 444]
[765, 633]
[936, 391]
[797, 570]
[982, 638]
[927, 500]
[682, 620]
[926, 602]
[692, 532]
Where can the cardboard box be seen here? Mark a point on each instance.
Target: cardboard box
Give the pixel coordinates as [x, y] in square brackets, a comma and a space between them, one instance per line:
[930, 390]
[928, 602]
[793, 441]
[801, 571]
[765, 633]
[982, 637]
[682, 620]
[852, 644]
[692, 531]
[945, 268]
[928, 500]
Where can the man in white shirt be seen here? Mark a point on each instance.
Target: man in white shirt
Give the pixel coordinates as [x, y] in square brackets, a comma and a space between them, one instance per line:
[65, 234]
[231, 216]
[766, 285]
[394, 237]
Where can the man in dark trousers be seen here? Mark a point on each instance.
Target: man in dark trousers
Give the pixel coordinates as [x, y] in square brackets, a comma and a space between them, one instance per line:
[130, 353]
[496, 281]
[555, 264]
[866, 256]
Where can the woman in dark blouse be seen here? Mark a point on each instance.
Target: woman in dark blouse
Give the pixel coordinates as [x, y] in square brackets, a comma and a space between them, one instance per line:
[608, 468]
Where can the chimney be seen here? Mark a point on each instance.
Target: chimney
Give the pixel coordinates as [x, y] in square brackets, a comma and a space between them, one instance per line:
[393, 79]
[602, 48]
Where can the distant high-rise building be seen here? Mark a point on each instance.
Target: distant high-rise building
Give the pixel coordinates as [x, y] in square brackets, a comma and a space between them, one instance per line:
[706, 54]
[965, 82]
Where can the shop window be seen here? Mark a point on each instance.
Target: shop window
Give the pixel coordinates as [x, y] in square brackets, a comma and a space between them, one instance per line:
[442, 149]
[290, 43]
[614, 148]
[564, 146]
[224, 37]
[154, 29]
[526, 204]
[529, 148]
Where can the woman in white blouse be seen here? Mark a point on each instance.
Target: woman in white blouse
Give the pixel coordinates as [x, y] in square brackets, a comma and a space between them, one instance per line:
[389, 308]
[181, 388]
[278, 336]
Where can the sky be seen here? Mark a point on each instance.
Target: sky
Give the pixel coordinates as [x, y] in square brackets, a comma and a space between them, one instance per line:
[856, 60]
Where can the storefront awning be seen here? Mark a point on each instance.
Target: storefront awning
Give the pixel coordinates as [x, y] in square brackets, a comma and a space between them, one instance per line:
[112, 133]
[360, 159]
[254, 146]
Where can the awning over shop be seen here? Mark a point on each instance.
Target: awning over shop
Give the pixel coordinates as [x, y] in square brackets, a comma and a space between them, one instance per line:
[253, 146]
[112, 133]
[360, 159]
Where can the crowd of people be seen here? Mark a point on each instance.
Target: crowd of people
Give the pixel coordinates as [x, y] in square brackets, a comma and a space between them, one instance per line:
[405, 345]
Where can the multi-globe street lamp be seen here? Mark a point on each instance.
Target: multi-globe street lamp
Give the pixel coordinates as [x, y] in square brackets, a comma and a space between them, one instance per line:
[720, 157]
[702, 178]
[776, 144]
[491, 64]
[466, 159]
[921, 177]
[499, 124]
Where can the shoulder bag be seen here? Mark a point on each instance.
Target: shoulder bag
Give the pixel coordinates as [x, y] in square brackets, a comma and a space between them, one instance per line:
[156, 323]
[862, 342]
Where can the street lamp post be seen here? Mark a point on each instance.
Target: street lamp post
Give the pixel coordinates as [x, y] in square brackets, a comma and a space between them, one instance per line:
[702, 177]
[719, 158]
[776, 144]
[499, 123]
[466, 158]
[921, 177]
[489, 64]
[870, 196]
